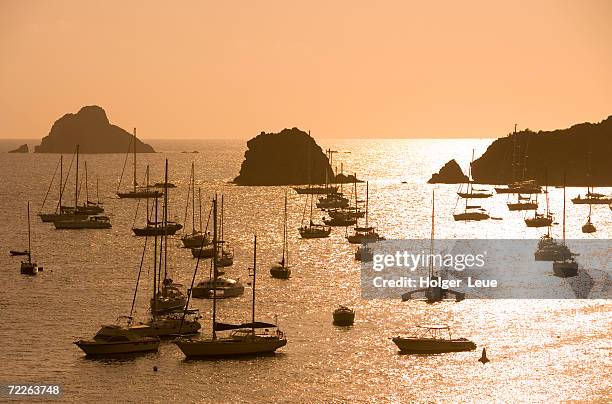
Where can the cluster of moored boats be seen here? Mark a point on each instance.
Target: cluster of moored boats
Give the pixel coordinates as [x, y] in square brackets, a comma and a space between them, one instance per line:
[170, 313]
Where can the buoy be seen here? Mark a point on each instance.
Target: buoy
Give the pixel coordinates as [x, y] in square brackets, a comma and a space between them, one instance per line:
[484, 358]
[155, 368]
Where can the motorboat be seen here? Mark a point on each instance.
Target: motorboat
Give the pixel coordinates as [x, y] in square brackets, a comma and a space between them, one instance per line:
[18, 252]
[589, 227]
[523, 203]
[225, 287]
[116, 339]
[592, 198]
[253, 338]
[91, 222]
[430, 340]
[344, 316]
[225, 258]
[349, 211]
[552, 251]
[340, 221]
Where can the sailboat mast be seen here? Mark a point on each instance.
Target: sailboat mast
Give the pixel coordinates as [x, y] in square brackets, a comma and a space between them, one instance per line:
[155, 264]
[86, 186]
[254, 278]
[29, 237]
[214, 263]
[76, 182]
[431, 247]
[98, 189]
[564, 182]
[285, 255]
[355, 193]
[200, 206]
[165, 222]
[192, 198]
[135, 160]
[367, 202]
[147, 183]
[61, 181]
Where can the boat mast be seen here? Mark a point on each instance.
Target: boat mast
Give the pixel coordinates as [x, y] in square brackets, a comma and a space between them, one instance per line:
[355, 192]
[564, 182]
[61, 181]
[214, 263]
[200, 206]
[29, 237]
[135, 160]
[98, 189]
[431, 247]
[165, 223]
[76, 183]
[367, 202]
[192, 199]
[86, 186]
[254, 278]
[285, 249]
[155, 264]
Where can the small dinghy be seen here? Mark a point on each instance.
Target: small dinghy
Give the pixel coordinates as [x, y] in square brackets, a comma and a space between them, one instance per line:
[343, 316]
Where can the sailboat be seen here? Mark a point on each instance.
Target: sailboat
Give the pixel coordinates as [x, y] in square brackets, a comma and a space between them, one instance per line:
[136, 192]
[216, 286]
[366, 234]
[313, 230]
[225, 254]
[28, 267]
[281, 269]
[61, 212]
[471, 212]
[152, 228]
[88, 207]
[433, 293]
[523, 203]
[344, 216]
[244, 339]
[197, 238]
[518, 184]
[591, 197]
[77, 221]
[541, 219]
[568, 267]
[470, 192]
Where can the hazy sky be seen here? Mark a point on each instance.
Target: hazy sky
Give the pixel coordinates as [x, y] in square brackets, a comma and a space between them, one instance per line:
[339, 68]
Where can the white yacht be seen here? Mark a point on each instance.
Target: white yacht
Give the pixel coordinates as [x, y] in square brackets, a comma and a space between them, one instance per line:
[224, 287]
[431, 341]
[115, 339]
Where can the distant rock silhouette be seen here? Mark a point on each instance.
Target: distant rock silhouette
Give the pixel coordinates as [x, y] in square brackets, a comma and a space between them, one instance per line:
[583, 151]
[21, 149]
[90, 129]
[449, 174]
[291, 157]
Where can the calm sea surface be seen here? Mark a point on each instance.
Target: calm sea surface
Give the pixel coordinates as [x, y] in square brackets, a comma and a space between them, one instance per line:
[540, 350]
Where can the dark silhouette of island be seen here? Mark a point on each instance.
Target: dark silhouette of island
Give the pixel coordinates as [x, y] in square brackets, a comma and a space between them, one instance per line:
[21, 149]
[345, 179]
[90, 129]
[290, 157]
[582, 152]
[451, 173]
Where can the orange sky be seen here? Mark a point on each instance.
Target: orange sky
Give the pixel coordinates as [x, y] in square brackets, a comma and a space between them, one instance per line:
[339, 68]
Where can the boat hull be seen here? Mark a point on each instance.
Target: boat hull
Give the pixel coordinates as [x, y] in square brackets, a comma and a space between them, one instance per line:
[222, 293]
[140, 194]
[280, 272]
[565, 269]
[538, 222]
[28, 268]
[344, 318]
[591, 201]
[81, 224]
[156, 231]
[97, 348]
[230, 347]
[433, 346]
[522, 206]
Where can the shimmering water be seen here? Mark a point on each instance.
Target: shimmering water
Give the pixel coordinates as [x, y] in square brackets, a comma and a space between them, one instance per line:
[539, 350]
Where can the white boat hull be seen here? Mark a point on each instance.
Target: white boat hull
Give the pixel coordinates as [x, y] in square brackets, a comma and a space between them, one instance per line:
[113, 348]
[230, 347]
[433, 345]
